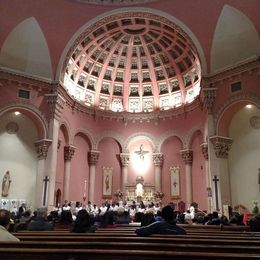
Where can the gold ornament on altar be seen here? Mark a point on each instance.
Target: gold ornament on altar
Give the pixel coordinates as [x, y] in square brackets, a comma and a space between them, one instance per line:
[158, 195]
[118, 194]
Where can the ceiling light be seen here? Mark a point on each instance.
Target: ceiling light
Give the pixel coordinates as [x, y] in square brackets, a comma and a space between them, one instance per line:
[17, 113]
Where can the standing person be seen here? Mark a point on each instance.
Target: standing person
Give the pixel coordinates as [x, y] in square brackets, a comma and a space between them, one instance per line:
[5, 217]
[21, 210]
[6, 184]
[166, 226]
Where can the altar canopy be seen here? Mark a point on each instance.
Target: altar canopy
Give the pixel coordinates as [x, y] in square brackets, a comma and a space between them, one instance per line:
[140, 191]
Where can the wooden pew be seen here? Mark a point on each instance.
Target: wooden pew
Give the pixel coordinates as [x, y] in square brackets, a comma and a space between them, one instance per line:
[117, 242]
[90, 254]
[141, 245]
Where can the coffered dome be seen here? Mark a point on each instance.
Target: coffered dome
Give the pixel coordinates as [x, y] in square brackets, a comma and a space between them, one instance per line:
[135, 62]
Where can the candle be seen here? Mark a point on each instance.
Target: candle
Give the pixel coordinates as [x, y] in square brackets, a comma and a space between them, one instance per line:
[85, 186]
[85, 190]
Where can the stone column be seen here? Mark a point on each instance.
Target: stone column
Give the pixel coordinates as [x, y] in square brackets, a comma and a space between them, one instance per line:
[221, 146]
[68, 154]
[187, 157]
[55, 102]
[158, 163]
[204, 149]
[92, 160]
[209, 95]
[124, 157]
[42, 147]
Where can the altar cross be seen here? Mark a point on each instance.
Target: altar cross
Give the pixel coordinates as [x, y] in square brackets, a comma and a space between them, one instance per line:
[216, 180]
[46, 179]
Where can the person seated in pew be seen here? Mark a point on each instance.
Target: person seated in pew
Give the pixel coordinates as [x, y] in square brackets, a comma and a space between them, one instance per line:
[5, 217]
[83, 223]
[166, 226]
[215, 219]
[254, 223]
[122, 217]
[65, 220]
[40, 223]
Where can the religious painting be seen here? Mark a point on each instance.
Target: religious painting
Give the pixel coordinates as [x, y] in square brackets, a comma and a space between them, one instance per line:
[107, 182]
[175, 182]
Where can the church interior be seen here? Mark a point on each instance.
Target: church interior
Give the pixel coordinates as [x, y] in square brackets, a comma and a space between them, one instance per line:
[153, 100]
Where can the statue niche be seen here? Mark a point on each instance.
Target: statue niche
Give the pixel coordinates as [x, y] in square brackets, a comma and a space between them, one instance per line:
[140, 191]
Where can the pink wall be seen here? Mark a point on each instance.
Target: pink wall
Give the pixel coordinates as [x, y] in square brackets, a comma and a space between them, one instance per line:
[198, 172]
[109, 157]
[60, 164]
[79, 168]
[172, 157]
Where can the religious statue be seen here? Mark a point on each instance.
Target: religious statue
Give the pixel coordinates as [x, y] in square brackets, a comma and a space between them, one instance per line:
[6, 184]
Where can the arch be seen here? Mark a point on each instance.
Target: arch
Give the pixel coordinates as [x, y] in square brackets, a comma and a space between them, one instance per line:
[76, 37]
[110, 134]
[58, 198]
[137, 136]
[166, 135]
[25, 49]
[188, 138]
[88, 134]
[64, 125]
[32, 112]
[229, 108]
[235, 39]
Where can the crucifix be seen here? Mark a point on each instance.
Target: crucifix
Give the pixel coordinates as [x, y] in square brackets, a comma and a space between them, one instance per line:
[216, 180]
[45, 188]
[141, 152]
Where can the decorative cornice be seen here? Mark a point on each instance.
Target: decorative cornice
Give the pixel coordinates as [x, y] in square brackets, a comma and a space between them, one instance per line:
[42, 147]
[208, 97]
[124, 157]
[187, 156]
[158, 159]
[69, 151]
[56, 104]
[221, 145]
[238, 69]
[93, 157]
[204, 149]
[16, 78]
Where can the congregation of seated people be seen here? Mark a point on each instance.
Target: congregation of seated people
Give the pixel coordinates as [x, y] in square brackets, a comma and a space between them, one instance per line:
[88, 218]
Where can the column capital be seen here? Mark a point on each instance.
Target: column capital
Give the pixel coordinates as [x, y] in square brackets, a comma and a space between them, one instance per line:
[42, 147]
[158, 159]
[208, 98]
[69, 151]
[187, 156]
[125, 157]
[221, 145]
[93, 157]
[56, 103]
[204, 149]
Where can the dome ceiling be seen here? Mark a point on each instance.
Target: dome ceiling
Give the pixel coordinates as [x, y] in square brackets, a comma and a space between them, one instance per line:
[136, 63]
